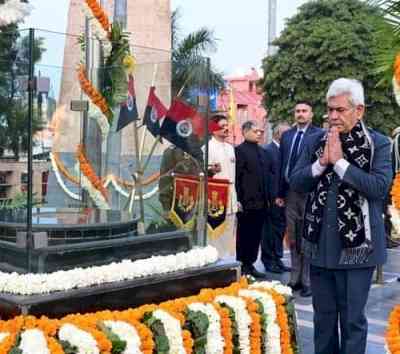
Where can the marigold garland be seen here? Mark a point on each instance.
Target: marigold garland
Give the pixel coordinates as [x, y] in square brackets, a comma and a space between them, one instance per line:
[395, 192]
[392, 335]
[396, 68]
[255, 327]
[282, 318]
[176, 308]
[87, 169]
[100, 15]
[95, 96]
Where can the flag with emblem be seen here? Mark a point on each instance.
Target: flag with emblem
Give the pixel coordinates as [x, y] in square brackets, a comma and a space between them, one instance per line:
[183, 211]
[183, 126]
[155, 110]
[128, 111]
[218, 197]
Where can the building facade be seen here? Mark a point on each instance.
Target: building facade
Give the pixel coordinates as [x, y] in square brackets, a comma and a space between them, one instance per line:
[247, 100]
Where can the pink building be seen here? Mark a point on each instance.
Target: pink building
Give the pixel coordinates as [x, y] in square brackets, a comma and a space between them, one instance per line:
[248, 101]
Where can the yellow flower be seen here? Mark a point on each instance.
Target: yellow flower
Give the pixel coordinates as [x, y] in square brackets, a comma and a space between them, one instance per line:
[129, 63]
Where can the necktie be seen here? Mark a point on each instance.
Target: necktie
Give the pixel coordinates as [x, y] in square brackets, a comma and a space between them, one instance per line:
[294, 153]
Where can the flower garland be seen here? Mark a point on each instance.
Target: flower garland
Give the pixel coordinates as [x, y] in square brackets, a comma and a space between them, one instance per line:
[13, 11]
[392, 335]
[242, 319]
[95, 96]
[54, 158]
[272, 338]
[90, 181]
[282, 315]
[214, 339]
[126, 333]
[29, 284]
[33, 341]
[86, 333]
[101, 27]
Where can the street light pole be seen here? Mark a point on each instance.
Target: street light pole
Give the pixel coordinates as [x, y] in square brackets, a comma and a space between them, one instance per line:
[272, 15]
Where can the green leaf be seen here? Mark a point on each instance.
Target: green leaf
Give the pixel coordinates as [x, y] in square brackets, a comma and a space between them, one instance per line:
[68, 348]
[160, 338]
[118, 345]
[197, 323]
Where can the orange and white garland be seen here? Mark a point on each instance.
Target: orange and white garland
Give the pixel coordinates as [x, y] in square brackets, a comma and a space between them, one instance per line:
[90, 181]
[392, 335]
[99, 109]
[86, 332]
[101, 26]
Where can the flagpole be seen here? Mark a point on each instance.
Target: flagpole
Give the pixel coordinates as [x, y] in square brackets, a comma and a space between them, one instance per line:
[153, 82]
[139, 176]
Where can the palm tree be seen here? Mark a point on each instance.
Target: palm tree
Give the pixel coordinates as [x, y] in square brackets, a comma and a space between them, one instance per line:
[189, 64]
[389, 38]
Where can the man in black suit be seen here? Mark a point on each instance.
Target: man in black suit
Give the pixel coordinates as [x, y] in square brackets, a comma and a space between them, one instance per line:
[252, 189]
[275, 225]
[291, 148]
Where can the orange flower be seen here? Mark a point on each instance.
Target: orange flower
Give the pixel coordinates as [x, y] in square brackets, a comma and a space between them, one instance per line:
[392, 335]
[226, 328]
[87, 170]
[99, 13]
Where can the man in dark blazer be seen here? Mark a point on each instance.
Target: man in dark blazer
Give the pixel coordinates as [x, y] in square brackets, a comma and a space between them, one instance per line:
[252, 194]
[275, 225]
[291, 147]
[347, 173]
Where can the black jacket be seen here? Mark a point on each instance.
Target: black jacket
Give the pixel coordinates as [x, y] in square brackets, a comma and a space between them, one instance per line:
[252, 183]
[273, 157]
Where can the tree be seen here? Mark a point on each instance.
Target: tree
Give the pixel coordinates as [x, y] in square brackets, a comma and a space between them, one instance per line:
[189, 67]
[14, 66]
[326, 40]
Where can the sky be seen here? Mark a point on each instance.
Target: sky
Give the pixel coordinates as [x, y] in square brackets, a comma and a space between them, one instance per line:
[240, 26]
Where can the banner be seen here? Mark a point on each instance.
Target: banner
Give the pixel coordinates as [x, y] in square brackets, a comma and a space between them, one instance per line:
[218, 197]
[185, 201]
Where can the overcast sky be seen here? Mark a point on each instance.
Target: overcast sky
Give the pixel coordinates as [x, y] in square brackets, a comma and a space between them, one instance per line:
[240, 26]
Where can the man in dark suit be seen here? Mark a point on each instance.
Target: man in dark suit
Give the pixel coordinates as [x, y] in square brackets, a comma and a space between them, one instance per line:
[347, 173]
[291, 147]
[251, 186]
[275, 225]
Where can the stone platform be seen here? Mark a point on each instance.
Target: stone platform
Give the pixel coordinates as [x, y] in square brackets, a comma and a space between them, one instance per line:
[121, 295]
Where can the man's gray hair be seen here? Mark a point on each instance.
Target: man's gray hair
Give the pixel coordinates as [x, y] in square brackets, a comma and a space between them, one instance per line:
[248, 125]
[276, 130]
[345, 86]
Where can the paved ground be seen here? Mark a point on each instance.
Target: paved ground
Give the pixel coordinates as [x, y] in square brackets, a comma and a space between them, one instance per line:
[381, 300]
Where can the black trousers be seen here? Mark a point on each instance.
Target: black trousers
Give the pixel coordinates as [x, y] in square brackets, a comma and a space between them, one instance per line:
[272, 235]
[339, 298]
[248, 238]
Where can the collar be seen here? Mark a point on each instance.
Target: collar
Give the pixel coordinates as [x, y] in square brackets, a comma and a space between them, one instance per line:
[303, 129]
[276, 143]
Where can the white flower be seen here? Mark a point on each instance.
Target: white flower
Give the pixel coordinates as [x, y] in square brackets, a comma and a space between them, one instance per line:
[29, 284]
[215, 340]
[101, 119]
[242, 318]
[60, 181]
[84, 341]
[97, 197]
[173, 331]
[33, 341]
[273, 332]
[127, 333]
[275, 285]
[13, 11]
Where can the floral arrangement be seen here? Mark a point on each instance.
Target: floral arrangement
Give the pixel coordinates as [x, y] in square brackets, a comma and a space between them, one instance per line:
[241, 318]
[13, 11]
[99, 109]
[29, 284]
[90, 181]
[393, 332]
